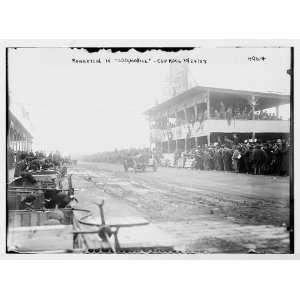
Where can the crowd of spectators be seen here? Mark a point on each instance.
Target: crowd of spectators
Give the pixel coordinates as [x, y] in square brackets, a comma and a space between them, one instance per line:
[23, 161]
[268, 158]
[217, 112]
[241, 113]
[257, 157]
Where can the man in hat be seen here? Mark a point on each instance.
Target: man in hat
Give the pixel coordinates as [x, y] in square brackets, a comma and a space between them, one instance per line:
[275, 162]
[206, 158]
[57, 199]
[21, 165]
[245, 158]
[235, 159]
[27, 203]
[258, 158]
[218, 159]
[227, 155]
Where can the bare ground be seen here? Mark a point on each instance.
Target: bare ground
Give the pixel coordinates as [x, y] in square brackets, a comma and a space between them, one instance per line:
[204, 211]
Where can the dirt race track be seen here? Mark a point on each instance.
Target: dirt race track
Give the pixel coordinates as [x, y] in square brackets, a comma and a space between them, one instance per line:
[203, 211]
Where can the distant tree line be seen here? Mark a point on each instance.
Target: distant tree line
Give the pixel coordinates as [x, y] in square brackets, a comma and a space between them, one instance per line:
[116, 156]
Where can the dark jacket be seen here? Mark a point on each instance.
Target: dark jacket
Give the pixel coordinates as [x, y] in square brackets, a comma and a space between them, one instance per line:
[258, 155]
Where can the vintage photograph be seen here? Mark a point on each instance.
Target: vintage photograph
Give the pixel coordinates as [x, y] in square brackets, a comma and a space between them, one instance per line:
[159, 150]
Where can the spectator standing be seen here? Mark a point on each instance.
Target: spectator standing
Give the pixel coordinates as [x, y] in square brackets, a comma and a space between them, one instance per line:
[258, 158]
[235, 159]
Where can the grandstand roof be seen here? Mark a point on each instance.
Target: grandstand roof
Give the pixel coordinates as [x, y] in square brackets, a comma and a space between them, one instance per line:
[17, 125]
[264, 100]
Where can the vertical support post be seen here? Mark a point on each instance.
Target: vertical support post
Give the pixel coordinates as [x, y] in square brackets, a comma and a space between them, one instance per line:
[208, 104]
[186, 138]
[18, 143]
[196, 114]
[253, 102]
[176, 124]
[196, 111]
[185, 115]
[168, 128]
[13, 141]
[208, 139]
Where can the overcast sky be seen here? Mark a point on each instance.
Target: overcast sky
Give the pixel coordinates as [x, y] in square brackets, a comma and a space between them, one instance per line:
[86, 108]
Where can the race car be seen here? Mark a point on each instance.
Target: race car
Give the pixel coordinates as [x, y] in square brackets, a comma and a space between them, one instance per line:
[140, 163]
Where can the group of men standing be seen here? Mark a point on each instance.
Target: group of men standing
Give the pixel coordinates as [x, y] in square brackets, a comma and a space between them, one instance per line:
[256, 158]
[26, 161]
